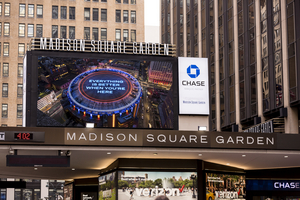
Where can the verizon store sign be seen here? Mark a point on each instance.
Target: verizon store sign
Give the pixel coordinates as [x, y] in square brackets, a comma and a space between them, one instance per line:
[193, 86]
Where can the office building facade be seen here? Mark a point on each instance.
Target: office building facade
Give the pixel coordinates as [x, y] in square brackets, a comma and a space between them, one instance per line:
[253, 58]
[119, 20]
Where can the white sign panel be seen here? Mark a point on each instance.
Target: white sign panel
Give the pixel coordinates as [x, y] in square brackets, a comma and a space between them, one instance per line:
[193, 86]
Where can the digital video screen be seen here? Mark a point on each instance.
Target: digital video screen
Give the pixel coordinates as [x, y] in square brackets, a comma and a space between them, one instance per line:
[141, 185]
[225, 186]
[107, 189]
[109, 93]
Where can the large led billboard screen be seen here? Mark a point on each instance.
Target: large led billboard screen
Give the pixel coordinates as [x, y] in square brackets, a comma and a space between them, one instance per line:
[140, 185]
[109, 91]
[106, 187]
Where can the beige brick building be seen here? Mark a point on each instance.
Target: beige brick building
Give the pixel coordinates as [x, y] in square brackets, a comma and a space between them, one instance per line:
[117, 20]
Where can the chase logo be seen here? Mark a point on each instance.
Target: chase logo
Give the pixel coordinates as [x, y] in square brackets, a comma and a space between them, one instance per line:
[193, 71]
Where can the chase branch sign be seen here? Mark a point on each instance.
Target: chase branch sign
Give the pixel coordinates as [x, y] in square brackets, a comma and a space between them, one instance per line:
[103, 46]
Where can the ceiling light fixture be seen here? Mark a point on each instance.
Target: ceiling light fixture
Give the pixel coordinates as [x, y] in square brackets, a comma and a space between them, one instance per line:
[199, 154]
[108, 153]
[155, 154]
[286, 156]
[243, 155]
[73, 169]
[35, 168]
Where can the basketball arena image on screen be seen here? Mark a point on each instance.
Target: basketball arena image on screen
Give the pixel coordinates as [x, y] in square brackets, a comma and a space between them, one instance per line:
[108, 93]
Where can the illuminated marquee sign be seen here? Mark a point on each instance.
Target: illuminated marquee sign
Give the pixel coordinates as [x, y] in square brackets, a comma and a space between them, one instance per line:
[17, 136]
[273, 185]
[100, 46]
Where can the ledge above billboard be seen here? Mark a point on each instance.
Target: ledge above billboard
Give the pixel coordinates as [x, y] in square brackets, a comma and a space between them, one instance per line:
[193, 86]
[125, 85]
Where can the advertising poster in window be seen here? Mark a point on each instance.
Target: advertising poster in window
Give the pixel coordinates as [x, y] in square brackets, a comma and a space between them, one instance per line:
[68, 192]
[156, 185]
[107, 189]
[109, 93]
[225, 186]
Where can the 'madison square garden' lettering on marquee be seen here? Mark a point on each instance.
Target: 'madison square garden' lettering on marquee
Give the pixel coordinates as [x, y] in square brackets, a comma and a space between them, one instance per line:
[100, 46]
[176, 140]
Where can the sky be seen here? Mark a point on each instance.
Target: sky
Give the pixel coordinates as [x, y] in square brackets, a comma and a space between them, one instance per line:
[151, 12]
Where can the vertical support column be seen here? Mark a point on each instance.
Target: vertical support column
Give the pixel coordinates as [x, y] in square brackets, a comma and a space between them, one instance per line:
[10, 192]
[201, 181]
[184, 29]
[217, 63]
[291, 121]
[236, 66]
[258, 62]
[44, 189]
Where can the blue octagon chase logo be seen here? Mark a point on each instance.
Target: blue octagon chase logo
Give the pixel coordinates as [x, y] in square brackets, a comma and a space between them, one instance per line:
[193, 71]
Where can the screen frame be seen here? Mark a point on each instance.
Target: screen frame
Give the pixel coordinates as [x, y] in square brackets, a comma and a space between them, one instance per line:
[31, 79]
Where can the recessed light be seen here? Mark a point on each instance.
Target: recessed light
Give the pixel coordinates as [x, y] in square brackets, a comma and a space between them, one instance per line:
[199, 154]
[108, 153]
[227, 163]
[243, 155]
[155, 154]
[286, 156]
[35, 168]
[73, 169]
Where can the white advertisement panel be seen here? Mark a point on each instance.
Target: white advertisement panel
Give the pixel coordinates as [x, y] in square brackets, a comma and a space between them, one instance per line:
[193, 86]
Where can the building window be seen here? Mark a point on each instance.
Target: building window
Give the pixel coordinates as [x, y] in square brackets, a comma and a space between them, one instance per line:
[39, 11]
[125, 1]
[104, 1]
[20, 70]
[4, 89]
[118, 1]
[133, 17]
[30, 30]
[63, 12]
[133, 36]
[39, 30]
[4, 110]
[103, 34]
[118, 34]
[118, 15]
[5, 69]
[22, 30]
[71, 12]
[0, 8]
[6, 29]
[125, 35]
[95, 14]
[54, 12]
[22, 10]
[87, 14]
[0, 28]
[125, 16]
[4, 125]
[72, 32]
[54, 31]
[21, 49]
[86, 33]
[6, 49]
[19, 111]
[103, 15]
[6, 9]
[63, 32]
[95, 34]
[95, 0]
[133, 1]
[30, 10]
[20, 90]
